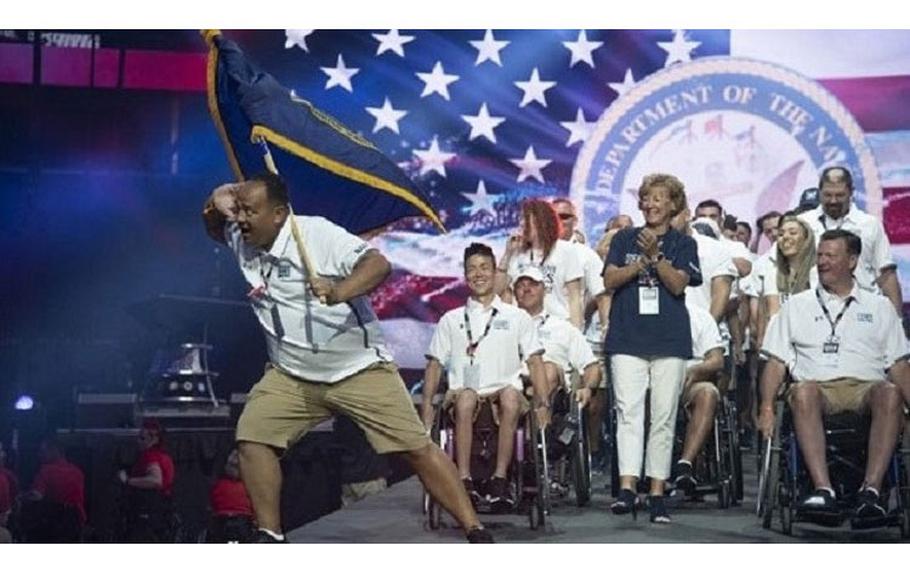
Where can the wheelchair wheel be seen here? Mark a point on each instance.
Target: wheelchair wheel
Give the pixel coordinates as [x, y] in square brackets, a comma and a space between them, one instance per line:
[432, 511]
[771, 473]
[736, 458]
[539, 507]
[724, 494]
[581, 461]
[786, 512]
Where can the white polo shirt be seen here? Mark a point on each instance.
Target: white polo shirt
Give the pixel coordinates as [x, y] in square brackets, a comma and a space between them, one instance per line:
[564, 345]
[876, 253]
[305, 338]
[505, 337]
[715, 260]
[771, 288]
[705, 335]
[754, 285]
[869, 334]
[562, 266]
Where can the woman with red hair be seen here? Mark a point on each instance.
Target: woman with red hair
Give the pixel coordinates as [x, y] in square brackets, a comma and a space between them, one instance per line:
[537, 243]
[150, 484]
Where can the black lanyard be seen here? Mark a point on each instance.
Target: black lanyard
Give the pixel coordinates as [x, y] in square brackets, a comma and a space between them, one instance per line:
[472, 345]
[824, 221]
[543, 321]
[832, 323]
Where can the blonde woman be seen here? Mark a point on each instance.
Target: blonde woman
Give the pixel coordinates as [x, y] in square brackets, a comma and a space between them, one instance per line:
[794, 267]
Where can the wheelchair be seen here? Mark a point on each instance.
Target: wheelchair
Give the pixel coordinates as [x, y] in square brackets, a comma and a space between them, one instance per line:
[569, 451]
[527, 473]
[783, 481]
[718, 465]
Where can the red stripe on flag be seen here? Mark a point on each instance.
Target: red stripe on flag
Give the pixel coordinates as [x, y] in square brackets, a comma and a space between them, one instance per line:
[897, 215]
[878, 103]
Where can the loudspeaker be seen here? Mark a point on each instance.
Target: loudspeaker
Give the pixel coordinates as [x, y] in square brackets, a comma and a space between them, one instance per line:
[96, 410]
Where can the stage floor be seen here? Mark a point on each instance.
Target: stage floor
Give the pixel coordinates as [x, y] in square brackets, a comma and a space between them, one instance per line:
[394, 516]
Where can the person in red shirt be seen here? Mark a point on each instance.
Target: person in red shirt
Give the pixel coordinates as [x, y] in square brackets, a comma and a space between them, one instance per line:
[154, 469]
[232, 510]
[9, 488]
[54, 509]
[58, 480]
[150, 483]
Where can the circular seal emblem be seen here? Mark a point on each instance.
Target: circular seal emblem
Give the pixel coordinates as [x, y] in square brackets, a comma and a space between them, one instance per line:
[750, 134]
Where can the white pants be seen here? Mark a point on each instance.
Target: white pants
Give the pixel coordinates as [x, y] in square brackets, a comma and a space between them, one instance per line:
[631, 378]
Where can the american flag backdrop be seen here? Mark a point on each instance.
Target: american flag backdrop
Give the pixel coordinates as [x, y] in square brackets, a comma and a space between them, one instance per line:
[483, 119]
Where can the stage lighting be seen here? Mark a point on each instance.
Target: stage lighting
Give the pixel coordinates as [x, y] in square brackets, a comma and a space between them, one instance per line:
[25, 403]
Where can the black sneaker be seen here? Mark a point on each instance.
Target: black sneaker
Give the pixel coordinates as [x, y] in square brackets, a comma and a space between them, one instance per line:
[625, 503]
[263, 537]
[821, 501]
[684, 478]
[869, 505]
[470, 490]
[657, 505]
[480, 535]
[498, 491]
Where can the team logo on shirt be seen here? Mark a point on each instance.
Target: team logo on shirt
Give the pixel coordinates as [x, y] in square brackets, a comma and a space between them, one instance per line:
[864, 317]
[749, 134]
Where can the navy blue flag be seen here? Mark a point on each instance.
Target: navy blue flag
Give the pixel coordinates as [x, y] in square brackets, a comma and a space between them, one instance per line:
[330, 170]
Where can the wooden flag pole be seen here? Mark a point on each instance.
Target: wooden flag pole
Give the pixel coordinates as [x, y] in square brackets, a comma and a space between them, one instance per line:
[295, 230]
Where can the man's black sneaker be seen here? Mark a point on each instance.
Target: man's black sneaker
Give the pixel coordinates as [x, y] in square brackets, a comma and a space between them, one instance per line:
[869, 505]
[821, 501]
[263, 537]
[684, 478]
[470, 490]
[498, 491]
[479, 535]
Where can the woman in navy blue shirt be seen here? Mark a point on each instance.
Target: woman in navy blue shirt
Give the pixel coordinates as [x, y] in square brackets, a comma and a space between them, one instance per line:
[649, 340]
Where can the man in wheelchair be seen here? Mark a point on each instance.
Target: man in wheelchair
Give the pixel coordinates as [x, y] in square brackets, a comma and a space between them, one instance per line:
[838, 342]
[482, 347]
[700, 395]
[565, 348]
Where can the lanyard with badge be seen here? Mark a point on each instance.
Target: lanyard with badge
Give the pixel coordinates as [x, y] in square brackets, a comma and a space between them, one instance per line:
[648, 291]
[831, 346]
[472, 371]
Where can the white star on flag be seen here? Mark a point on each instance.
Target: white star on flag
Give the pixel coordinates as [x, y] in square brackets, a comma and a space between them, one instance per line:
[392, 41]
[530, 166]
[298, 38]
[340, 76]
[433, 159]
[678, 50]
[581, 49]
[483, 124]
[534, 89]
[481, 200]
[437, 82]
[386, 116]
[627, 83]
[488, 49]
[579, 130]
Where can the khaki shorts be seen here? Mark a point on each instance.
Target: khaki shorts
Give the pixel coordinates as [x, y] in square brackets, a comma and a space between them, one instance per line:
[688, 396]
[448, 404]
[843, 395]
[280, 409]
